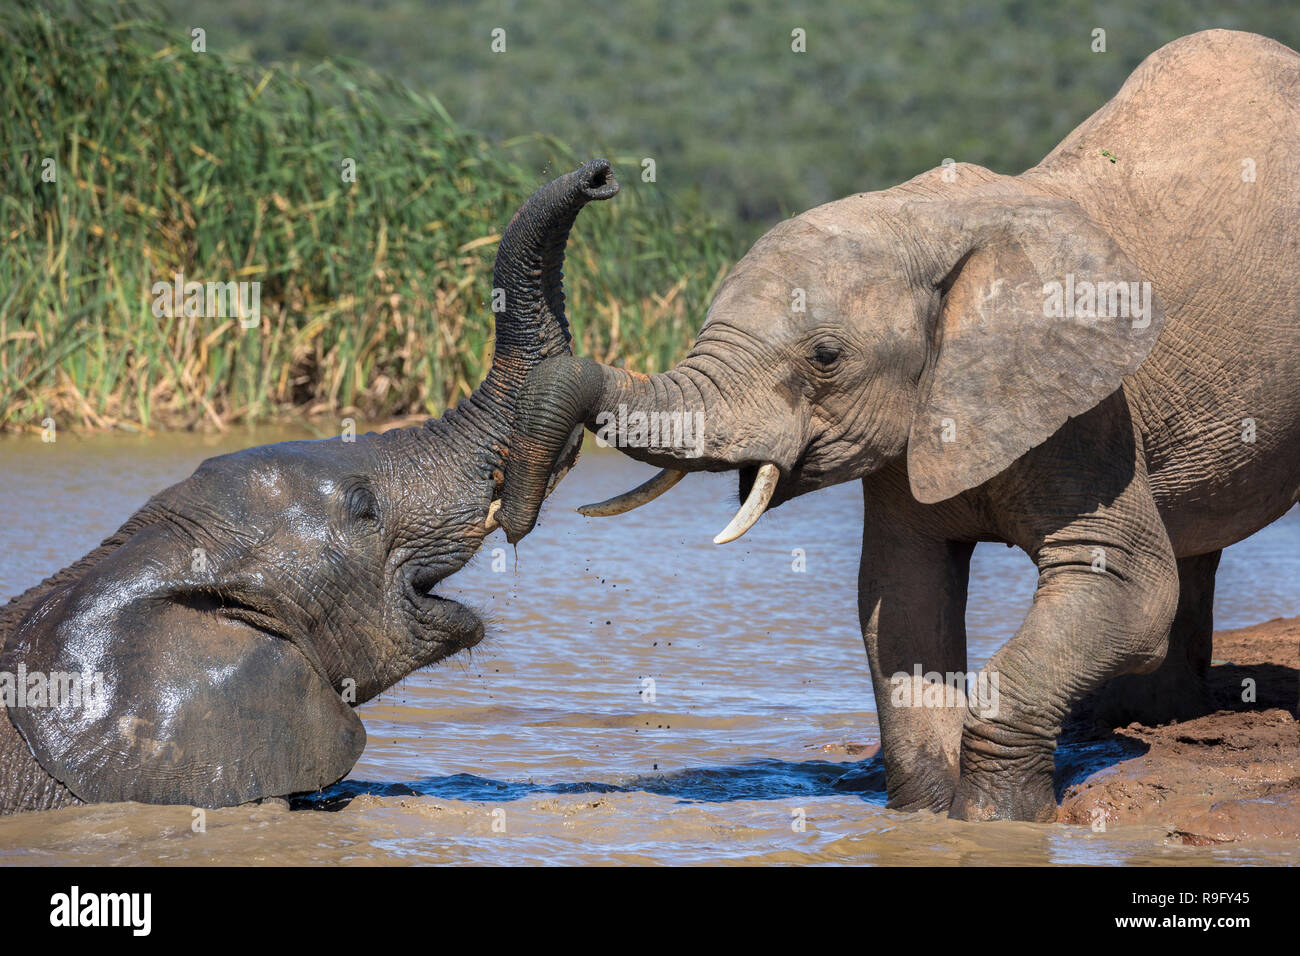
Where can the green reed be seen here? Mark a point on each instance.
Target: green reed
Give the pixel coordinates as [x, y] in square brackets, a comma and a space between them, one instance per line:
[374, 294]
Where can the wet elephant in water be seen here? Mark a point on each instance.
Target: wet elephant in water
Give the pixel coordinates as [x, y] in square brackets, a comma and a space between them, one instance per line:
[238, 617]
[1097, 361]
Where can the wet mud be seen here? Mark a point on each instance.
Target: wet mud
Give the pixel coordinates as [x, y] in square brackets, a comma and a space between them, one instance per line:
[1230, 775]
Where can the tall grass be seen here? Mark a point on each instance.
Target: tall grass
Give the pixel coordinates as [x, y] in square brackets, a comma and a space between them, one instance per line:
[374, 293]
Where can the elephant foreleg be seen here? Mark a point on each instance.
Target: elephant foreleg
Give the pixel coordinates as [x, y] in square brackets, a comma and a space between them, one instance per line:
[912, 607]
[1106, 596]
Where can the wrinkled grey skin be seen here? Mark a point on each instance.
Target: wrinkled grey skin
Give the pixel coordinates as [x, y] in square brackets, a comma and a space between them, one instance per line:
[241, 614]
[1113, 451]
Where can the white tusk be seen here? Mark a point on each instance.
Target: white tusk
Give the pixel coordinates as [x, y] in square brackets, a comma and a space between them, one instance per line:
[754, 506]
[638, 496]
[491, 523]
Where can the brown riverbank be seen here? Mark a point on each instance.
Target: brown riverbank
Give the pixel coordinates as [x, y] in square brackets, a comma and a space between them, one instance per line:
[1231, 775]
[315, 420]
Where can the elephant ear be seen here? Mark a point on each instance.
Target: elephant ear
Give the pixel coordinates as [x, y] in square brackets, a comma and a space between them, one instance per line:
[1040, 317]
[205, 710]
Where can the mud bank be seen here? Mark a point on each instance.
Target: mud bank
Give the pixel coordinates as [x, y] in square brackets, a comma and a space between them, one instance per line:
[1231, 775]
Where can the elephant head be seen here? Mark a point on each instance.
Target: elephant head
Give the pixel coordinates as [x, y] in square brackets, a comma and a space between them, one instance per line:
[915, 324]
[234, 621]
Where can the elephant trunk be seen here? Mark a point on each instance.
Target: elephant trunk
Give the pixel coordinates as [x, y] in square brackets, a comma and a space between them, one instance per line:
[528, 282]
[531, 326]
[654, 418]
[562, 393]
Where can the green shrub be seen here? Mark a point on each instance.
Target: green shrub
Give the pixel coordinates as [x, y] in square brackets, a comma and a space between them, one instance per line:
[374, 293]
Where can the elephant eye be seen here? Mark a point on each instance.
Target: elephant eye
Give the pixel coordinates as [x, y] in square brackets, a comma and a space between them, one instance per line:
[362, 505]
[824, 357]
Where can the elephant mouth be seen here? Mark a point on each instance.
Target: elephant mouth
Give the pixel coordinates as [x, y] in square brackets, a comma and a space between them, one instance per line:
[442, 620]
[790, 483]
[745, 477]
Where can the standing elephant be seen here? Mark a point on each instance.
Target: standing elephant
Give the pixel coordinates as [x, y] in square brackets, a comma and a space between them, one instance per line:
[232, 624]
[1097, 361]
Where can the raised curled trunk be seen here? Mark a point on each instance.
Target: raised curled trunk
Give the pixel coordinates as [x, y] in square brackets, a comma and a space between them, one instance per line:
[528, 282]
[531, 326]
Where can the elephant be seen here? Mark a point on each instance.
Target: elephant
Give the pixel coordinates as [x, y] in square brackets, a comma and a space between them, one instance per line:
[1096, 361]
[226, 632]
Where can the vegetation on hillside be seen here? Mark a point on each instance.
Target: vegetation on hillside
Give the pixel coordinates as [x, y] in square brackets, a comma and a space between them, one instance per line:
[714, 92]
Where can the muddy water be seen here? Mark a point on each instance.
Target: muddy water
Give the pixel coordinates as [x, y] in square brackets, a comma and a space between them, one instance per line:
[548, 745]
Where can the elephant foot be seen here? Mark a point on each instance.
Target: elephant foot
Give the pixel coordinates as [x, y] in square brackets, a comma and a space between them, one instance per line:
[922, 752]
[933, 792]
[1005, 775]
[1032, 800]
